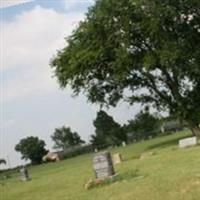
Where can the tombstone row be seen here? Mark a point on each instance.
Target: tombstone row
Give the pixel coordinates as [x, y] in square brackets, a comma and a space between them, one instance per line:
[103, 161]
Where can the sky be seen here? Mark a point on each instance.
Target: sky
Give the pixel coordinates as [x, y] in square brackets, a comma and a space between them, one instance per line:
[31, 103]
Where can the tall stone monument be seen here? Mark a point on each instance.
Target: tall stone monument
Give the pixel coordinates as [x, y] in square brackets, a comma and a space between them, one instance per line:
[102, 164]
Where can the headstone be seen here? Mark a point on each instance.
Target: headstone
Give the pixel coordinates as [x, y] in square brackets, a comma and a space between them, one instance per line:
[162, 129]
[103, 166]
[117, 158]
[191, 141]
[24, 176]
[123, 144]
[96, 150]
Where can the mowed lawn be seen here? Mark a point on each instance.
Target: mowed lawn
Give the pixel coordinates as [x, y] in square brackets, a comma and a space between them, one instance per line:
[169, 174]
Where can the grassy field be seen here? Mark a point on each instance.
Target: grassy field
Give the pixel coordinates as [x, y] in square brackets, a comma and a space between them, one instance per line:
[169, 174]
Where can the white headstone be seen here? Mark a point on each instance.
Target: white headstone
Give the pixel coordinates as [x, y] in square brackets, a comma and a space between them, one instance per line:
[96, 150]
[191, 141]
[123, 144]
[103, 166]
[162, 129]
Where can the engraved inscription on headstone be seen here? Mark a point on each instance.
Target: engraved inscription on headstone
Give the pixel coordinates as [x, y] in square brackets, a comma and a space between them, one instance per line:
[103, 166]
[24, 176]
[191, 141]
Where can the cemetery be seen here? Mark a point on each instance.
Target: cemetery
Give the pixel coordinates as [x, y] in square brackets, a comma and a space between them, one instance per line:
[100, 100]
[95, 176]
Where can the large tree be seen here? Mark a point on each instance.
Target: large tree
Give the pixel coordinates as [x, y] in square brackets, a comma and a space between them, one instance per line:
[31, 148]
[64, 138]
[144, 51]
[107, 131]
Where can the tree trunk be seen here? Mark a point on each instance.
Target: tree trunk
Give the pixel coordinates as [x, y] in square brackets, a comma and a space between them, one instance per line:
[196, 131]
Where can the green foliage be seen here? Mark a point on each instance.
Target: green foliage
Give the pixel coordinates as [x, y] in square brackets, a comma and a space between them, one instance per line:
[65, 138]
[149, 48]
[143, 126]
[31, 148]
[107, 131]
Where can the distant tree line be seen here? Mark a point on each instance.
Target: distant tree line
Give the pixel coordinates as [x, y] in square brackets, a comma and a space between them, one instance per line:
[107, 133]
[144, 126]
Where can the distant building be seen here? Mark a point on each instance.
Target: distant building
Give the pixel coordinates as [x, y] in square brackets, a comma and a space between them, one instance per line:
[51, 156]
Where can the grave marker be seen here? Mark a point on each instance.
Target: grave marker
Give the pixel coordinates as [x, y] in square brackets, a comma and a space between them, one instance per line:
[191, 141]
[117, 158]
[102, 164]
[123, 143]
[24, 176]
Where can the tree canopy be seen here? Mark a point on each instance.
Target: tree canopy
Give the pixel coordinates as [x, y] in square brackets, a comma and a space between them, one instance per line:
[65, 138]
[107, 131]
[140, 51]
[32, 148]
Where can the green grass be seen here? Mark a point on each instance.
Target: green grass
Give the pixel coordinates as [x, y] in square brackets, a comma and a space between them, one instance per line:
[169, 174]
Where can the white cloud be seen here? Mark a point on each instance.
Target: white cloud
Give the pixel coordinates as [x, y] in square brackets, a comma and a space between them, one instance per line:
[29, 42]
[9, 3]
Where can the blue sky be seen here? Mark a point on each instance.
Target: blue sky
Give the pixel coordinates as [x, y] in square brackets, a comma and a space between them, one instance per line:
[31, 101]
